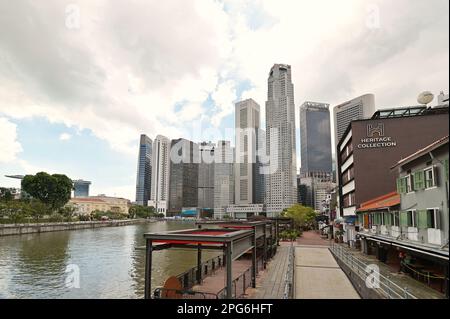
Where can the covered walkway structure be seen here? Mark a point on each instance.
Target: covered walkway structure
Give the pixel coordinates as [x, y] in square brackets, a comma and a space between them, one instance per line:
[231, 239]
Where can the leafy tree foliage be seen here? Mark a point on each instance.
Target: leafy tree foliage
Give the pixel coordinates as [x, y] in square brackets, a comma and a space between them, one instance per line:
[53, 190]
[303, 216]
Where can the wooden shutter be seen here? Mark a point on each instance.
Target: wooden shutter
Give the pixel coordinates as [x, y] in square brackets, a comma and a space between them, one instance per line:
[399, 185]
[446, 168]
[403, 218]
[387, 219]
[422, 221]
[419, 180]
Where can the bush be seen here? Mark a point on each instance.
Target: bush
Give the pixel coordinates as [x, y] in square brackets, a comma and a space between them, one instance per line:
[55, 217]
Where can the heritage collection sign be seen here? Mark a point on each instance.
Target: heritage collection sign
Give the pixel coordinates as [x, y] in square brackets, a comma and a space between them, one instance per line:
[376, 138]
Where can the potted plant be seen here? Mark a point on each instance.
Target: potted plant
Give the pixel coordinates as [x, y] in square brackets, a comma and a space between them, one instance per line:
[339, 238]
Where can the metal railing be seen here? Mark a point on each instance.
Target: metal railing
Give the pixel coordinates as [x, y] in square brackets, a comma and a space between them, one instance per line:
[165, 293]
[189, 278]
[289, 278]
[384, 285]
[241, 283]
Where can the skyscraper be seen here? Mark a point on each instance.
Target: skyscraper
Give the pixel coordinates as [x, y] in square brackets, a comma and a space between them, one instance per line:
[160, 174]
[355, 109]
[223, 178]
[281, 181]
[144, 171]
[315, 138]
[206, 176]
[183, 181]
[81, 188]
[246, 175]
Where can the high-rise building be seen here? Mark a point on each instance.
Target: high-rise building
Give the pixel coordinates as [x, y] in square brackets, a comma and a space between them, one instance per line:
[356, 109]
[144, 171]
[81, 188]
[183, 181]
[246, 174]
[159, 198]
[281, 179]
[223, 178]
[206, 176]
[315, 138]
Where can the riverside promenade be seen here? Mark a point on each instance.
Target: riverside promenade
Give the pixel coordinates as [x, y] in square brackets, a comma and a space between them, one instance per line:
[316, 275]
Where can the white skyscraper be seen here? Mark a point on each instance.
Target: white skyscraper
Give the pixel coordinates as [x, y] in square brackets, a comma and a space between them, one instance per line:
[281, 181]
[247, 126]
[355, 109]
[223, 178]
[160, 178]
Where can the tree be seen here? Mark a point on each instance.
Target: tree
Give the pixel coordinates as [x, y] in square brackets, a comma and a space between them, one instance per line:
[53, 190]
[38, 209]
[5, 195]
[303, 216]
[137, 211]
[67, 212]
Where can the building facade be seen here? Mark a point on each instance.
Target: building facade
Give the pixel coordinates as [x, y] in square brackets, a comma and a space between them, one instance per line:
[415, 218]
[223, 178]
[81, 188]
[183, 181]
[206, 176]
[159, 197]
[369, 147]
[358, 108]
[144, 171]
[87, 205]
[281, 179]
[246, 174]
[315, 138]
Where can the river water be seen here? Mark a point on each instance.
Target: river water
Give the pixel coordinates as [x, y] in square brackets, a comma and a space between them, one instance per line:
[34, 265]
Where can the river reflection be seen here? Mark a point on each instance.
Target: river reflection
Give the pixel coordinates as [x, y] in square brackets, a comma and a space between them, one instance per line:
[33, 266]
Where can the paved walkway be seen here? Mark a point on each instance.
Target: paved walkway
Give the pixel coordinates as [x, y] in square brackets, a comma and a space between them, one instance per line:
[216, 282]
[318, 276]
[270, 282]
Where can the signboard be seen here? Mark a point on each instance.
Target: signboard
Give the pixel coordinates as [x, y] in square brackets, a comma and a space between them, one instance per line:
[376, 138]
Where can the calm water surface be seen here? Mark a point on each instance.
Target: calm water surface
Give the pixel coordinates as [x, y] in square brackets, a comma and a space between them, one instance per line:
[34, 265]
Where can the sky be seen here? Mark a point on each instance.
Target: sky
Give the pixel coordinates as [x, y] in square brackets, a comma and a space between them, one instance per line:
[81, 80]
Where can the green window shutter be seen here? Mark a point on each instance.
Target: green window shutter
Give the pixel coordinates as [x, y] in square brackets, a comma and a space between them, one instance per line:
[399, 185]
[387, 219]
[422, 222]
[419, 180]
[446, 168]
[403, 219]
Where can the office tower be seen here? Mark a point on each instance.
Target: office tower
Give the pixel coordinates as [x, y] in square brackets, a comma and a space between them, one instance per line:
[315, 138]
[159, 198]
[281, 181]
[183, 181]
[359, 108]
[144, 171]
[81, 188]
[206, 176]
[223, 178]
[247, 126]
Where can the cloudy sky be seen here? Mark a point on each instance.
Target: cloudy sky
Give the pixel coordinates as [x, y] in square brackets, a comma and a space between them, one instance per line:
[80, 80]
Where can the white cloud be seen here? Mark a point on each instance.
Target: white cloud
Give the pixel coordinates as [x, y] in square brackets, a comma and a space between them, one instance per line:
[9, 145]
[65, 137]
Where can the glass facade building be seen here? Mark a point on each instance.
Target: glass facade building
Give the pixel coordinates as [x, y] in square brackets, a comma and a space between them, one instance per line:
[315, 138]
[144, 171]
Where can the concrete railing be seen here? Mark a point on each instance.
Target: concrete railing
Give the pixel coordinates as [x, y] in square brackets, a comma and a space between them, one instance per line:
[20, 229]
[289, 278]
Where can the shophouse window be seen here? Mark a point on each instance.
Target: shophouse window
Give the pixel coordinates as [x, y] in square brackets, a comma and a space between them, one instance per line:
[396, 216]
[409, 187]
[433, 218]
[412, 218]
[429, 178]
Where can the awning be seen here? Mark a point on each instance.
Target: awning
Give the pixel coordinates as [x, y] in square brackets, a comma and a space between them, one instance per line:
[386, 201]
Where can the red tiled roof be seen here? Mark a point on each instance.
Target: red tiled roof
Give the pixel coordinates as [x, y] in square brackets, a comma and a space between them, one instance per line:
[385, 201]
[422, 151]
[81, 199]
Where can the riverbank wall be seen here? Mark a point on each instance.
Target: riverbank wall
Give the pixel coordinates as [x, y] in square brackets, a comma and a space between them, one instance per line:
[21, 229]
